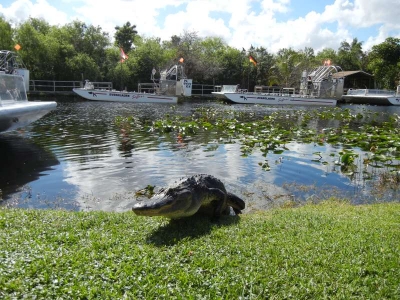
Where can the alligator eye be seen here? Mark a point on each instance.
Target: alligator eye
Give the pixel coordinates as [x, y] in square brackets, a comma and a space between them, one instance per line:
[185, 196]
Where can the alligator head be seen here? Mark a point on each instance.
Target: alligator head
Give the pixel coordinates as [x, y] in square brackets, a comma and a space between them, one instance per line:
[171, 203]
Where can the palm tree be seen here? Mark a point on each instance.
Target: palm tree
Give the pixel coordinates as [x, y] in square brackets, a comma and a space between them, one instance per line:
[350, 56]
[125, 35]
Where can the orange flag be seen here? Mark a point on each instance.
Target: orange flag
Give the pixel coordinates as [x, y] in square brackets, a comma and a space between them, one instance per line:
[253, 60]
[123, 55]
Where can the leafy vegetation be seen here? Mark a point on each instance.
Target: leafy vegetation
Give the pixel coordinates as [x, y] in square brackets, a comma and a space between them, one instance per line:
[330, 250]
[76, 50]
[379, 140]
[362, 145]
[125, 36]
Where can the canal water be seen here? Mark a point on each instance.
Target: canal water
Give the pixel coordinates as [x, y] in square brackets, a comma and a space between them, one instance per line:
[78, 158]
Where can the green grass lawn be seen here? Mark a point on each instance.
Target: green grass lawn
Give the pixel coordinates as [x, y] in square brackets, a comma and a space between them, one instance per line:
[330, 250]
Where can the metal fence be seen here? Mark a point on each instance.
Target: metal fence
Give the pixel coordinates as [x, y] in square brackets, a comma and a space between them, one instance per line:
[197, 89]
[202, 89]
[52, 86]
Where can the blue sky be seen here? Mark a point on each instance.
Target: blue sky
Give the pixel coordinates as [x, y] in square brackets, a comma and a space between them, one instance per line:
[273, 24]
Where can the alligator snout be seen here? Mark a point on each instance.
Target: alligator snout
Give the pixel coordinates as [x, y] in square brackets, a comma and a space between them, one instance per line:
[173, 206]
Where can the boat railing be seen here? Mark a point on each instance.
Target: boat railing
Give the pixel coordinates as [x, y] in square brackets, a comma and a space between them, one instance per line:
[217, 88]
[198, 89]
[288, 91]
[99, 85]
[381, 92]
[165, 87]
[51, 86]
[371, 92]
[316, 93]
[267, 89]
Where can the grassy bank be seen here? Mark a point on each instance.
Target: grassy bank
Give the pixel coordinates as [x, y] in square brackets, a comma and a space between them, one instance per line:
[329, 250]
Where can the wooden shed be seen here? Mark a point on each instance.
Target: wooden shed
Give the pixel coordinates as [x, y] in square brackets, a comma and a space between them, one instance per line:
[355, 80]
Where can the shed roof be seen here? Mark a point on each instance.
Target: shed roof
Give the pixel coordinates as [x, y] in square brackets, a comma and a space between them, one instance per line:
[349, 73]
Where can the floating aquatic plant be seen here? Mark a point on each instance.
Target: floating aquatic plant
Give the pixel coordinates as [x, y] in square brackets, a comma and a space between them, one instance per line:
[368, 131]
[148, 191]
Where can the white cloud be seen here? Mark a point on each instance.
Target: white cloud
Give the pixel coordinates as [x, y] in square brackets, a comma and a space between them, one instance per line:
[240, 23]
[20, 10]
[275, 6]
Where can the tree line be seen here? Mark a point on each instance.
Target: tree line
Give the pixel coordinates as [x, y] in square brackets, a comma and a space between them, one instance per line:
[76, 51]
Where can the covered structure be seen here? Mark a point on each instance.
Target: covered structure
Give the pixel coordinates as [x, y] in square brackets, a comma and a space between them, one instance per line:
[355, 80]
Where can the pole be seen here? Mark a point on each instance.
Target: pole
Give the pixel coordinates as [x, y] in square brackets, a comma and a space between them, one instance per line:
[248, 79]
[121, 78]
[242, 78]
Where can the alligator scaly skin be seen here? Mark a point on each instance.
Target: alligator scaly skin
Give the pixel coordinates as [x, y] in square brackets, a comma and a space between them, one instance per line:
[198, 194]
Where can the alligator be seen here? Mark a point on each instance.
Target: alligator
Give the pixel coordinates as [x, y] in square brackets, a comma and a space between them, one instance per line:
[198, 194]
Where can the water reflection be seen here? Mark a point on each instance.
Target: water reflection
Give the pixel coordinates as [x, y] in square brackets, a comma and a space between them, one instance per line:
[22, 162]
[102, 164]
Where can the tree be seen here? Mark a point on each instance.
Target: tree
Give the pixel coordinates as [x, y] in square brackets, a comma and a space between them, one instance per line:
[40, 25]
[350, 56]
[175, 40]
[60, 49]
[138, 67]
[265, 70]
[262, 73]
[90, 40]
[287, 69]
[83, 64]
[384, 63]
[64, 53]
[33, 52]
[6, 42]
[211, 58]
[72, 40]
[125, 35]
[324, 55]
[307, 59]
[189, 47]
[230, 62]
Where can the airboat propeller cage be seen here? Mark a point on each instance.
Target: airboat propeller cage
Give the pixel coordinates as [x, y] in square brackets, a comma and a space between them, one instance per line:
[15, 109]
[320, 82]
[11, 63]
[176, 77]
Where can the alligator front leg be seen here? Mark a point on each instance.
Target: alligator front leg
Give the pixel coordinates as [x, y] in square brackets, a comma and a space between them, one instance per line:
[220, 197]
[235, 202]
